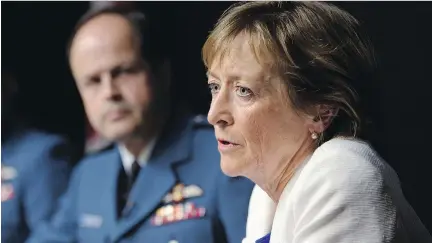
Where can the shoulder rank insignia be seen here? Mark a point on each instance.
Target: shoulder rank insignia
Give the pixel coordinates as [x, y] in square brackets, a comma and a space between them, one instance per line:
[181, 192]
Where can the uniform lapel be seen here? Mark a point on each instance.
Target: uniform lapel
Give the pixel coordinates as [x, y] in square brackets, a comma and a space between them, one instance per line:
[157, 178]
[109, 197]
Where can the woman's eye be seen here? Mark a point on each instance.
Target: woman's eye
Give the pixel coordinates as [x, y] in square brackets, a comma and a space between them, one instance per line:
[243, 91]
[214, 88]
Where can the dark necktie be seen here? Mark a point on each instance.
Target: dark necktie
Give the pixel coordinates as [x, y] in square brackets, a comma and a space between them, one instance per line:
[124, 186]
[134, 172]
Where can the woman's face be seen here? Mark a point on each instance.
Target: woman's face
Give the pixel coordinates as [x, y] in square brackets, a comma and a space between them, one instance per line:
[256, 127]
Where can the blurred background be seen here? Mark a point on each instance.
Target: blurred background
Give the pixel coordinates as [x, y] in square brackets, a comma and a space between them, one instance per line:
[34, 36]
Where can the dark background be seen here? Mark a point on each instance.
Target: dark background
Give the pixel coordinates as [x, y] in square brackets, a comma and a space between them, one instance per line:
[34, 36]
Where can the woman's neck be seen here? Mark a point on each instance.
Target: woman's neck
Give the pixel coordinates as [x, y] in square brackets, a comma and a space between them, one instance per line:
[285, 173]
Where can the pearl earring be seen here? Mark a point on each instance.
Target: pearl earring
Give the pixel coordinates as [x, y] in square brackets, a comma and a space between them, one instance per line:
[314, 135]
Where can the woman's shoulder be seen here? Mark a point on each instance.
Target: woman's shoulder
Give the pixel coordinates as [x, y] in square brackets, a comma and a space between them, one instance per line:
[349, 154]
[352, 147]
[346, 164]
[345, 182]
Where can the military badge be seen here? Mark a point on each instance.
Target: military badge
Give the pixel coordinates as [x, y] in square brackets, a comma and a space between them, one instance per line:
[7, 192]
[177, 212]
[181, 192]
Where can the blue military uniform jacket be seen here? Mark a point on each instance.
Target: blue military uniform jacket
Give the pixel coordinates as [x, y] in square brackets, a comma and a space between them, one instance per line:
[35, 169]
[181, 195]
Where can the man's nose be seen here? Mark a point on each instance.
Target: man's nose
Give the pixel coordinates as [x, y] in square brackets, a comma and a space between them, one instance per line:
[110, 88]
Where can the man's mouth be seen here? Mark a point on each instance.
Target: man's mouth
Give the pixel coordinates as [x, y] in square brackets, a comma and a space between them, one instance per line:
[116, 114]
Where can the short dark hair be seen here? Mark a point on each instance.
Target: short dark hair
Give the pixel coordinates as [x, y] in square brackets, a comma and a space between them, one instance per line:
[318, 49]
[150, 33]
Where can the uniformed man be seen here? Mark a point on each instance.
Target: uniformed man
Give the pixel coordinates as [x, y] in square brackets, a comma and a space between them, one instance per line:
[35, 168]
[162, 181]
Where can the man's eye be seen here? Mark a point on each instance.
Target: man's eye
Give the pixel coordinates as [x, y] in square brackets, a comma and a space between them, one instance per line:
[93, 81]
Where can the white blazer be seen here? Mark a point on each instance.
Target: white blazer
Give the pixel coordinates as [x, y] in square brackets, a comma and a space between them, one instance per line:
[345, 193]
[260, 215]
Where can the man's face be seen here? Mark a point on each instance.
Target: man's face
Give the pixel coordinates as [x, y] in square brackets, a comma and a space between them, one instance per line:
[114, 83]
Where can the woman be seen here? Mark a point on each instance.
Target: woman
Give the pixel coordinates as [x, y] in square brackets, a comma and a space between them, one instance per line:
[284, 78]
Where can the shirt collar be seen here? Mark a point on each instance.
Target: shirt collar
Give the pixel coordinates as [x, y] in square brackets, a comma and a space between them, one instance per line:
[128, 158]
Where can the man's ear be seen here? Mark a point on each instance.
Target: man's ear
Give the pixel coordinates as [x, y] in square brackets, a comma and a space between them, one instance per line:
[323, 118]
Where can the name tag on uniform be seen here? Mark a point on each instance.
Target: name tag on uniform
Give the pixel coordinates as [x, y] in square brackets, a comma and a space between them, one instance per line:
[90, 221]
[8, 173]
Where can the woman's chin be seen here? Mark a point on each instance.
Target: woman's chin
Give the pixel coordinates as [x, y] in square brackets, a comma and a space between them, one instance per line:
[230, 168]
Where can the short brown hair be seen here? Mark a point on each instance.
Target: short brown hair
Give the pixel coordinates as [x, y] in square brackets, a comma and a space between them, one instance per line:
[148, 30]
[317, 48]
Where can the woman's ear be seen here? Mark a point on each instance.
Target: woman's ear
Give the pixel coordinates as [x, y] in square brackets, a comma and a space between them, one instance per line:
[323, 118]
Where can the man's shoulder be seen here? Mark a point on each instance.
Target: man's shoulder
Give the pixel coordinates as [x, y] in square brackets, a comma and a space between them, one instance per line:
[31, 153]
[100, 158]
[204, 136]
[34, 146]
[37, 139]
[201, 127]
